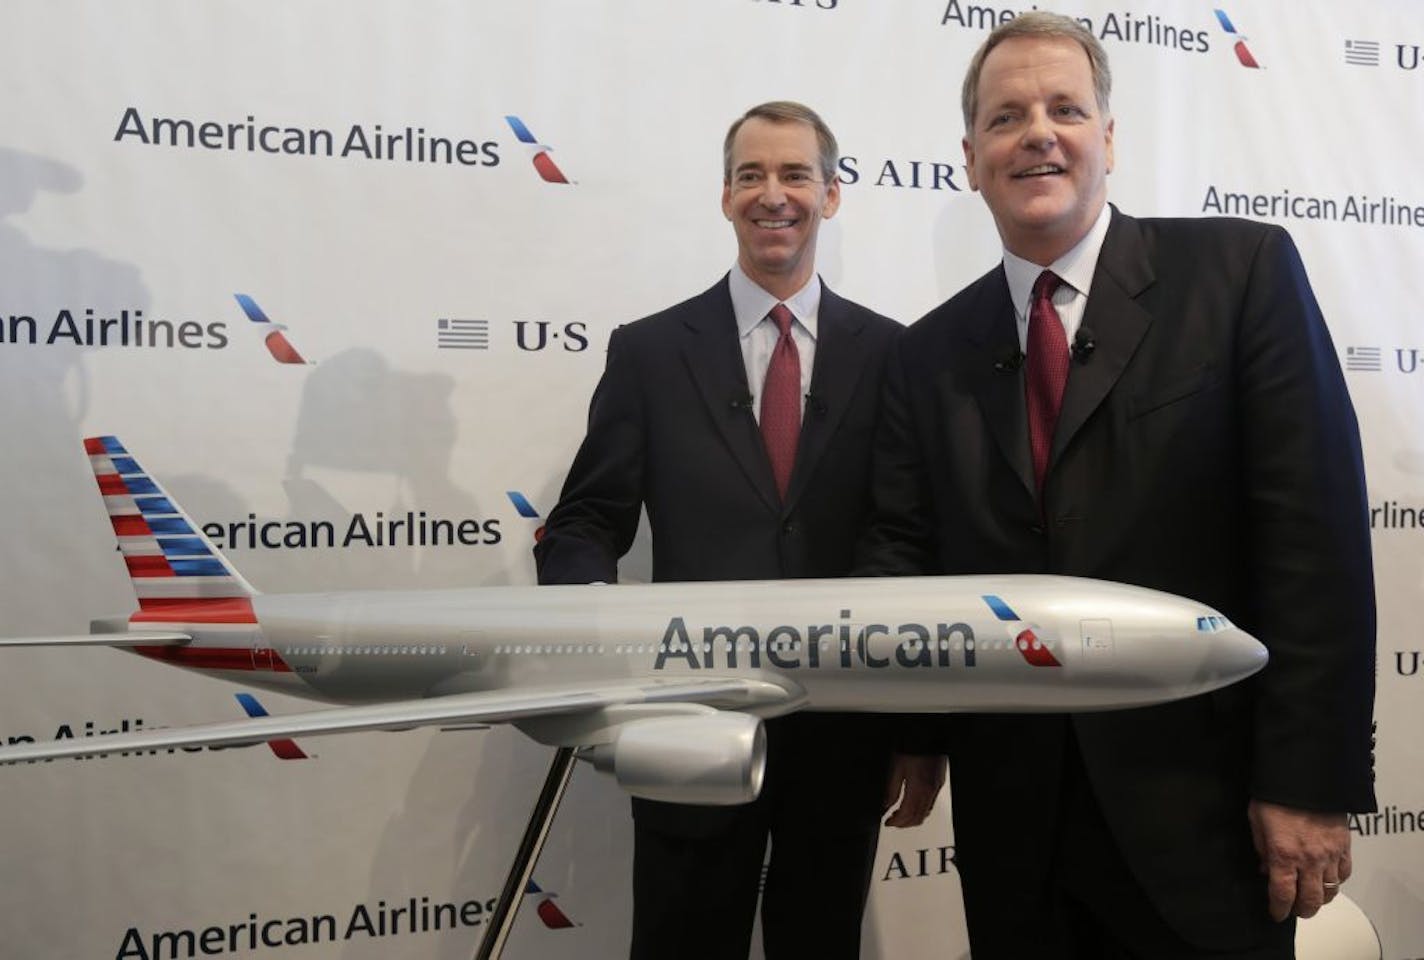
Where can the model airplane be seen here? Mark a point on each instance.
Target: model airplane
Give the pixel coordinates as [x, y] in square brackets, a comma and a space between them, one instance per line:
[663, 684]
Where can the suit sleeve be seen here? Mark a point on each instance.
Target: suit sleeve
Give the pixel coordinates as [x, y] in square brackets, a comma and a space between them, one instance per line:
[1312, 580]
[897, 538]
[596, 517]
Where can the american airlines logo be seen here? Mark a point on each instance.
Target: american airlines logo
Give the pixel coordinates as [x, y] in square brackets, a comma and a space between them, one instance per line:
[112, 328]
[525, 509]
[1126, 27]
[850, 643]
[380, 921]
[360, 529]
[1243, 52]
[274, 335]
[547, 910]
[549, 171]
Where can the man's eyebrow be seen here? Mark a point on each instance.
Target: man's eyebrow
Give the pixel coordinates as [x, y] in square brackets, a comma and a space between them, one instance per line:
[1005, 102]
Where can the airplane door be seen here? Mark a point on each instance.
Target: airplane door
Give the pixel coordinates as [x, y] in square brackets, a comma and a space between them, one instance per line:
[1097, 638]
[262, 658]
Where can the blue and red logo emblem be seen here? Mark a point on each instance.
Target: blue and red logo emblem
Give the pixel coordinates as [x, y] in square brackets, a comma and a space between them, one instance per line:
[274, 334]
[544, 163]
[1243, 53]
[549, 912]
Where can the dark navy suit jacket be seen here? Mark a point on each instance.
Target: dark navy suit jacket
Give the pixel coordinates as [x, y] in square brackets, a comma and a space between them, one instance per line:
[1206, 447]
[671, 428]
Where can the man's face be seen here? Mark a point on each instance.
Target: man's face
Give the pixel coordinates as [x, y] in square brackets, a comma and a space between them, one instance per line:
[776, 199]
[1040, 150]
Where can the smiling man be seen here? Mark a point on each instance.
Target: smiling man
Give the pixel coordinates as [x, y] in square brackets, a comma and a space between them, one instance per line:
[742, 420]
[1158, 402]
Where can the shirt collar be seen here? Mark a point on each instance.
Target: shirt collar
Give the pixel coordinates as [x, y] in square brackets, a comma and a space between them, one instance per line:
[751, 304]
[1075, 268]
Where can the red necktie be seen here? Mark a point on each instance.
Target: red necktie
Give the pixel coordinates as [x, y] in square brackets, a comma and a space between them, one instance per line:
[781, 401]
[1047, 371]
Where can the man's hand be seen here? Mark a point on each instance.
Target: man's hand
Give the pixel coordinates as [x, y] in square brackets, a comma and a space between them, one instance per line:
[1305, 854]
[915, 781]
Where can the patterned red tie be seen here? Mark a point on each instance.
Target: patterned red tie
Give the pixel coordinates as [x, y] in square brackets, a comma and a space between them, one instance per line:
[781, 401]
[1047, 371]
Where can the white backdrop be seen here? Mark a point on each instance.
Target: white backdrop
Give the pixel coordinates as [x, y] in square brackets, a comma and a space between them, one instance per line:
[363, 257]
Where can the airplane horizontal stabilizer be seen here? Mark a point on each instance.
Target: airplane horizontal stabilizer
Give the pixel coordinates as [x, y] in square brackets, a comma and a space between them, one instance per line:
[134, 638]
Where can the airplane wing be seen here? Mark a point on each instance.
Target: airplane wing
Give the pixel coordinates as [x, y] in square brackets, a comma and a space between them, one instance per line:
[133, 638]
[586, 710]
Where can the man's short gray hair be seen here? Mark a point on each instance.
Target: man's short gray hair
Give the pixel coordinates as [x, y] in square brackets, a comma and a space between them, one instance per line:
[1037, 23]
[786, 111]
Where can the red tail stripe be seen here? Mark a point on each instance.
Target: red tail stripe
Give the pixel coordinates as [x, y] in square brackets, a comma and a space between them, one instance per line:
[131, 525]
[148, 567]
[194, 610]
[111, 484]
[210, 658]
[93, 445]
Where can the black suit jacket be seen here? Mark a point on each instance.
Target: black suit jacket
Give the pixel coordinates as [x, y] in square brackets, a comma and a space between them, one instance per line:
[1206, 447]
[671, 428]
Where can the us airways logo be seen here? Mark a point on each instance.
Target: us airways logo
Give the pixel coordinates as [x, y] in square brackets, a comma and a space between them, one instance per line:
[1408, 663]
[1369, 53]
[543, 163]
[921, 862]
[903, 173]
[1243, 52]
[1363, 359]
[529, 336]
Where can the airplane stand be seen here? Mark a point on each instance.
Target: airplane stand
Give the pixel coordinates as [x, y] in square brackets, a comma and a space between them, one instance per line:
[501, 922]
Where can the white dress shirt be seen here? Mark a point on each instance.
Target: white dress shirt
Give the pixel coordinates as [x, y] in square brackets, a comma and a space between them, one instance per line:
[1075, 268]
[758, 334]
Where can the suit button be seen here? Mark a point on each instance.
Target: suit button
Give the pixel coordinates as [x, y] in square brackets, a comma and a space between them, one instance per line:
[1036, 530]
[788, 529]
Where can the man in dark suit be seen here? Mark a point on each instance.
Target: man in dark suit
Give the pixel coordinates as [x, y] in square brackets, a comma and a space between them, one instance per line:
[1164, 409]
[742, 420]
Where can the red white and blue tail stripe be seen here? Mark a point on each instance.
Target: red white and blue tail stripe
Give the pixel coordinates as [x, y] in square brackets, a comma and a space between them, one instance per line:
[181, 580]
[170, 562]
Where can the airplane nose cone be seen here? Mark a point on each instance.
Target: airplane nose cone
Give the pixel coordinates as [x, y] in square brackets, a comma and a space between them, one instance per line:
[1235, 655]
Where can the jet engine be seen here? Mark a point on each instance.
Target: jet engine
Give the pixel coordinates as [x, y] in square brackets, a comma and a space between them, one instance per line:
[717, 758]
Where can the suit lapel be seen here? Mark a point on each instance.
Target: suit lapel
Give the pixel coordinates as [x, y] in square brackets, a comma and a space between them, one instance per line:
[1117, 324]
[837, 371]
[713, 358]
[994, 375]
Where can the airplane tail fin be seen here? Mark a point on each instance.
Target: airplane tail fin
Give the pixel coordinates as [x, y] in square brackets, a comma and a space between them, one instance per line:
[176, 572]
